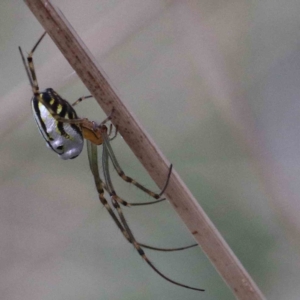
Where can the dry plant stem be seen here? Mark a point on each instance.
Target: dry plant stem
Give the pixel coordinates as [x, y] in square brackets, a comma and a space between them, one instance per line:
[146, 151]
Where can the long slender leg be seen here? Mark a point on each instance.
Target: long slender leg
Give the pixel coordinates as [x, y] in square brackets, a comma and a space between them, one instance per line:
[143, 254]
[110, 132]
[121, 172]
[109, 183]
[113, 195]
[26, 67]
[140, 250]
[30, 70]
[35, 86]
[81, 98]
[93, 161]
[124, 225]
[111, 191]
[129, 179]
[167, 249]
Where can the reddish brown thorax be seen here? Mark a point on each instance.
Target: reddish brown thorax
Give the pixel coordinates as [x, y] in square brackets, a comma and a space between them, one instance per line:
[92, 132]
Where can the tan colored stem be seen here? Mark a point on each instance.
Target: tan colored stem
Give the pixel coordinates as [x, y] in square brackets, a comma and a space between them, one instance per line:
[146, 151]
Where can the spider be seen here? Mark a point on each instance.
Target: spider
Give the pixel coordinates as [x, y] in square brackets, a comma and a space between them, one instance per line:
[64, 133]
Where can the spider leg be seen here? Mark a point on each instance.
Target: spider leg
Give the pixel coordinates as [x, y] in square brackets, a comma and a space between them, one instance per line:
[115, 135]
[34, 82]
[93, 161]
[92, 154]
[109, 188]
[26, 67]
[109, 185]
[30, 71]
[109, 133]
[167, 249]
[127, 178]
[141, 252]
[81, 98]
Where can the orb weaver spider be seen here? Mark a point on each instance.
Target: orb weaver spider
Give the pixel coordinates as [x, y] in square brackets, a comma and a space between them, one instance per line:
[64, 133]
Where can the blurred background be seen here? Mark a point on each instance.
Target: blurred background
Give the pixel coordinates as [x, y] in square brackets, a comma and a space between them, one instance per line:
[216, 84]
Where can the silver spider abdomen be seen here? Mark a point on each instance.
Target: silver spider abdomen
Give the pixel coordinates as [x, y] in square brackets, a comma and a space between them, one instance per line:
[63, 138]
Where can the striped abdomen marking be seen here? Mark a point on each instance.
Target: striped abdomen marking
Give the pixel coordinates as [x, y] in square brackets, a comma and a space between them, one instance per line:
[63, 138]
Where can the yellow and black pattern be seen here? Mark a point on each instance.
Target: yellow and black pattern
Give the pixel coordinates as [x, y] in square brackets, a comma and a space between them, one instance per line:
[61, 107]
